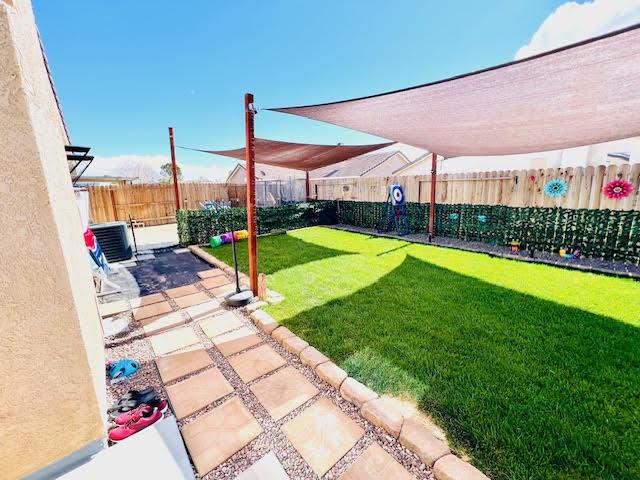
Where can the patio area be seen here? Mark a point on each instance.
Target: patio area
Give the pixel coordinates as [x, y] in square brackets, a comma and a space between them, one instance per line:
[245, 402]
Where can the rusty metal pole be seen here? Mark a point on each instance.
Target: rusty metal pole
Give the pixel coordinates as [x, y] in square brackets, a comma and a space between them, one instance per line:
[307, 186]
[432, 201]
[174, 169]
[250, 157]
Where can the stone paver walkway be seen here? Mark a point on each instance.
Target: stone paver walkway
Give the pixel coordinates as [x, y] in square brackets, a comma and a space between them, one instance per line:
[248, 406]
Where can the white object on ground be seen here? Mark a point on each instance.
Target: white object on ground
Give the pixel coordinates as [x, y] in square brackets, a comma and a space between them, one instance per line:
[115, 327]
[267, 468]
[161, 442]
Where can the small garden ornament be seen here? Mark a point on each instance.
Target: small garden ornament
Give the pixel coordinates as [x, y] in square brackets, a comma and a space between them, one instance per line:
[618, 189]
[556, 188]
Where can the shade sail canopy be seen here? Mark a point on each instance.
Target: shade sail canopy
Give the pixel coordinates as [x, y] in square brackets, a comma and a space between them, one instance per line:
[299, 156]
[582, 94]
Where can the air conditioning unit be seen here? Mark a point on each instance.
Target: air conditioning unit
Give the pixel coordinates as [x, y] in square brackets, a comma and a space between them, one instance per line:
[114, 240]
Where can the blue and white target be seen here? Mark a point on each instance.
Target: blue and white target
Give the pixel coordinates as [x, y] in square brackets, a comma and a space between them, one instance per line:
[397, 195]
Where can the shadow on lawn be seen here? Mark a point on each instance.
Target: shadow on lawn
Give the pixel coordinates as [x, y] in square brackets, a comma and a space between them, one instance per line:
[277, 252]
[529, 388]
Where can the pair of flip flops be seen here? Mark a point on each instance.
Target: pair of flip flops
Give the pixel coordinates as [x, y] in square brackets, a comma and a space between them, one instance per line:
[118, 371]
[132, 400]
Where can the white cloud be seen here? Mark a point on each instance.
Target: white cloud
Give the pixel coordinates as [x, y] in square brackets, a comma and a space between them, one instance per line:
[572, 22]
[147, 167]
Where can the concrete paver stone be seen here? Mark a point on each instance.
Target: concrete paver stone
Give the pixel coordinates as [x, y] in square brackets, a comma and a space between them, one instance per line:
[198, 391]
[161, 323]
[214, 272]
[283, 392]
[376, 463]
[180, 364]
[203, 310]
[146, 300]
[256, 362]
[152, 310]
[214, 282]
[221, 323]
[181, 291]
[236, 341]
[173, 340]
[191, 300]
[322, 434]
[215, 436]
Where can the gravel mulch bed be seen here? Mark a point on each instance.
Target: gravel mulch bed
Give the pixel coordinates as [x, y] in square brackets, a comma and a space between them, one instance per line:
[594, 265]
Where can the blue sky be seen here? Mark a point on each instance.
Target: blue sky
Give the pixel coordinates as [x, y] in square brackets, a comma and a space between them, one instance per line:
[125, 70]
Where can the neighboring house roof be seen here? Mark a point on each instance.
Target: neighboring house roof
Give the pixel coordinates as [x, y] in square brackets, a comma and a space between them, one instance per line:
[359, 166]
[266, 172]
[421, 159]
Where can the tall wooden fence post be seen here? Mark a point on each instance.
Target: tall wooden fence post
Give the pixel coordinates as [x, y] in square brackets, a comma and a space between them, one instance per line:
[249, 112]
[432, 201]
[174, 169]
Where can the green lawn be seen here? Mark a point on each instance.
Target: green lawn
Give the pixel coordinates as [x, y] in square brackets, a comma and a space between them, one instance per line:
[533, 371]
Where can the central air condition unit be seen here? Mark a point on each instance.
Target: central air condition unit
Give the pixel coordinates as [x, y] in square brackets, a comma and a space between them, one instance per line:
[114, 240]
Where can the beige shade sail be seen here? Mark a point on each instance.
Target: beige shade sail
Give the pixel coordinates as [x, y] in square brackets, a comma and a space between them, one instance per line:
[299, 156]
[582, 94]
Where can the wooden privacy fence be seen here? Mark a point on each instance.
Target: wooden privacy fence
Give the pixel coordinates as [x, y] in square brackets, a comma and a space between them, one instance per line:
[154, 203]
[513, 188]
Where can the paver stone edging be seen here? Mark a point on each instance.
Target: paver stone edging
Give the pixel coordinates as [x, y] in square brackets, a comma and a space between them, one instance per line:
[409, 432]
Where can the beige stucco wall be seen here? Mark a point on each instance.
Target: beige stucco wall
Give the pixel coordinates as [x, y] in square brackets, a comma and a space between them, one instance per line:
[390, 165]
[51, 350]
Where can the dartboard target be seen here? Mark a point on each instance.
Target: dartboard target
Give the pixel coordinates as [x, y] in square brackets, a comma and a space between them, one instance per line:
[397, 195]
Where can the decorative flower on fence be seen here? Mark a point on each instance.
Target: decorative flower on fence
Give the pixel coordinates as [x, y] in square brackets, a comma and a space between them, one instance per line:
[453, 216]
[482, 218]
[618, 189]
[556, 188]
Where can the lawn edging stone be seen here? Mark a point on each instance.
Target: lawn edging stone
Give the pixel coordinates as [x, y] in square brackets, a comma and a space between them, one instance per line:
[355, 392]
[312, 357]
[418, 438]
[381, 413]
[264, 321]
[295, 345]
[253, 306]
[281, 333]
[331, 373]
[451, 467]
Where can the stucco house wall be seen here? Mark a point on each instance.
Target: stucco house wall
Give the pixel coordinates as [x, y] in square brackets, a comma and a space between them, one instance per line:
[52, 391]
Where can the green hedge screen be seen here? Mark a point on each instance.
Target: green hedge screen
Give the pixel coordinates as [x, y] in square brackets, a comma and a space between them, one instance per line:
[606, 234]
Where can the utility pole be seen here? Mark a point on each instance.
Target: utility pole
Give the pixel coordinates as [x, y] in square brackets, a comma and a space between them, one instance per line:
[174, 169]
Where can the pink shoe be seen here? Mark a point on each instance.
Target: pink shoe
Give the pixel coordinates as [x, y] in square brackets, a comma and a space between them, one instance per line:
[126, 417]
[146, 416]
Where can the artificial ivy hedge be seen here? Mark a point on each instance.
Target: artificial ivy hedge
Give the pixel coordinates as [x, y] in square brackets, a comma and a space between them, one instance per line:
[607, 234]
[197, 226]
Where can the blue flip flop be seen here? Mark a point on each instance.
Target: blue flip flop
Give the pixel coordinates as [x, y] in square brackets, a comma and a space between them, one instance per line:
[122, 369]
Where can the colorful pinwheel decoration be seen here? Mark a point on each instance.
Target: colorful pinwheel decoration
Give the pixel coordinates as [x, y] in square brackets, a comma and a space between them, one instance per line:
[618, 189]
[556, 188]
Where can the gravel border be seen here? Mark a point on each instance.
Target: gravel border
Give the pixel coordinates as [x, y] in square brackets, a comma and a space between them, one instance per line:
[584, 264]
